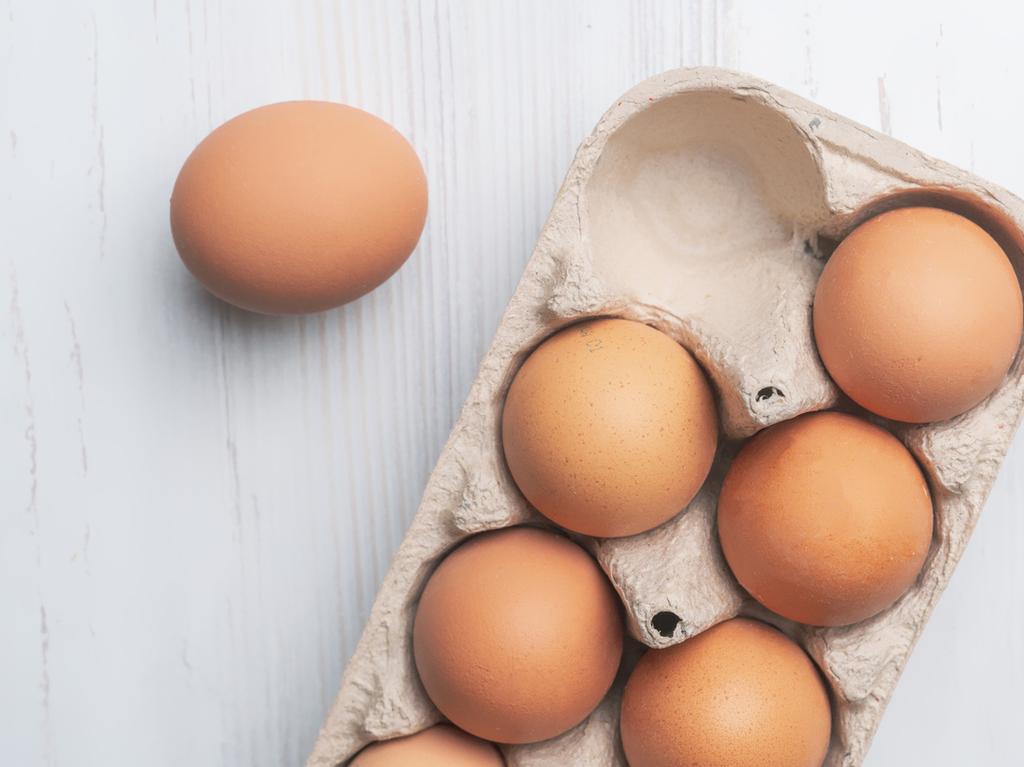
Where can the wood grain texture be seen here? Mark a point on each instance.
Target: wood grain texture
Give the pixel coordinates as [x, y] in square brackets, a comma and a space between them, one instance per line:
[197, 505]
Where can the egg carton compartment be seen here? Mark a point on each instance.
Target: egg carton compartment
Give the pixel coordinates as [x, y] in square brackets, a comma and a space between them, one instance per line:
[704, 203]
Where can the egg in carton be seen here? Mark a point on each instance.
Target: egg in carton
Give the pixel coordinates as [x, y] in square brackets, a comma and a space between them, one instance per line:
[705, 204]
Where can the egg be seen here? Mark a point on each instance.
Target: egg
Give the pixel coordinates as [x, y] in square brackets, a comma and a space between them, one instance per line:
[741, 694]
[609, 428]
[918, 315]
[825, 519]
[298, 207]
[439, 746]
[517, 636]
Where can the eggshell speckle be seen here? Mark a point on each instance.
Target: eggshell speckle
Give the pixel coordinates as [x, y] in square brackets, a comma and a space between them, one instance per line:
[741, 694]
[825, 519]
[518, 635]
[918, 314]
[298, 207]
[609, 428]
[440, 746]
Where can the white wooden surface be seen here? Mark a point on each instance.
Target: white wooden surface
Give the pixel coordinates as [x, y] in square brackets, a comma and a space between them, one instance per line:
[197, 505]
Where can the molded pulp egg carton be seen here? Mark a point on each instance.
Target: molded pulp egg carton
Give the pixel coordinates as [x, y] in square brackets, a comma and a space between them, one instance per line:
[705, 204]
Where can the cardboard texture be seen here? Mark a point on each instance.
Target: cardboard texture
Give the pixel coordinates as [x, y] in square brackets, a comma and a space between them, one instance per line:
[705, 203]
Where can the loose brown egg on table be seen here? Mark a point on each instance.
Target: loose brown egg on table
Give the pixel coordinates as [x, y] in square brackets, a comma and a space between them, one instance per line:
[439, 746]
[825, 519]
[918, 314]
[609, 428]
[518, 635]
[741, 694]
[298, 207]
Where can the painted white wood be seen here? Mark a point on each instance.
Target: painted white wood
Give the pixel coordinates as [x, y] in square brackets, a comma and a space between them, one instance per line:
[198, 505]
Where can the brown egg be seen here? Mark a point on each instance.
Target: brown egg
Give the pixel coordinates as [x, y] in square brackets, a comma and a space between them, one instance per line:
[741, 694]
[825, 519]
[918, 315]
[518, 635]
[609, 428]
[440, 746]
[298, 207]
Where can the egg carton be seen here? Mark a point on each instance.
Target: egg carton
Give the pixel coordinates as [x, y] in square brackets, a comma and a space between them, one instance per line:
[705, 204]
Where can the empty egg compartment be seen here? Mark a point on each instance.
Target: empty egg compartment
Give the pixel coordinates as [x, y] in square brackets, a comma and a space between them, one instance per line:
[704, 204]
